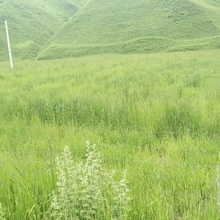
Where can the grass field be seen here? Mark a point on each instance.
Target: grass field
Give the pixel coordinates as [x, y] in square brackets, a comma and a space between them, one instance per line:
[156, 116]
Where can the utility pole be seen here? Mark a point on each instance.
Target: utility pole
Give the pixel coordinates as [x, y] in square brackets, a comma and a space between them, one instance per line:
[9, 46]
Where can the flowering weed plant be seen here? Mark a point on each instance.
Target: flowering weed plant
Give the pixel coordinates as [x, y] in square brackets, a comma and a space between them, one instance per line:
[87, 190]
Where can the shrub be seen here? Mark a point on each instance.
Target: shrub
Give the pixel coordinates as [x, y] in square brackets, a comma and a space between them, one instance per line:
[87, 191]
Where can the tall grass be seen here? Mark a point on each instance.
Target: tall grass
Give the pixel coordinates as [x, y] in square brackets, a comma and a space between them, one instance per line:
[156, 116]
[2, 213]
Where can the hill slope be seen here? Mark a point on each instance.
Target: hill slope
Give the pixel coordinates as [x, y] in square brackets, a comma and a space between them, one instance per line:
[65, 28]
[32, 23]
[140, 26]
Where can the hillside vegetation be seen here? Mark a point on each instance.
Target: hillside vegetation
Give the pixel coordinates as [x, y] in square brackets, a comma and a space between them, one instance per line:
[32, 23]
[56, 29]
[141, 26]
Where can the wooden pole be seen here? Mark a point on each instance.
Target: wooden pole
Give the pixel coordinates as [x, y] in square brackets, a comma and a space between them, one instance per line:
[9, 46]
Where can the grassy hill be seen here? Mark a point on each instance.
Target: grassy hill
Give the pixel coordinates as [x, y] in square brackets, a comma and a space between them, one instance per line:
[141, 26]
[64, 28]
[32, 23]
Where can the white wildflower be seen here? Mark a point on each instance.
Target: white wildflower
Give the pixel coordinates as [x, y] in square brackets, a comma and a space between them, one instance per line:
[87, 191]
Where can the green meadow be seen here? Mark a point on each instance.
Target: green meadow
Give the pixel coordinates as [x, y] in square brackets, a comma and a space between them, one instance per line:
[157, 116]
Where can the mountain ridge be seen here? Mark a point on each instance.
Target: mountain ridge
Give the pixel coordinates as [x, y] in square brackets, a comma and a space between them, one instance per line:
[67, 28]
[82, 6]
[175, 20]
[31, 24]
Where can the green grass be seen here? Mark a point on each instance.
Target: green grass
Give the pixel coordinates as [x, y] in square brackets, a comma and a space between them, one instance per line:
[67, 28]
[156, 116]
[137, 27]
[31, 24]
